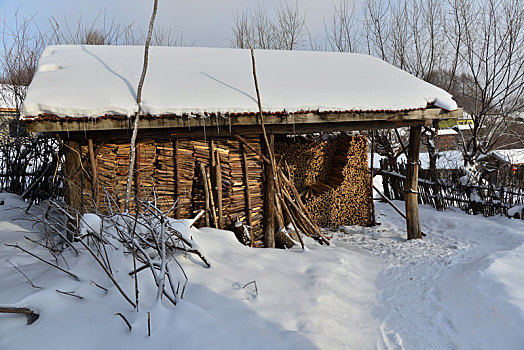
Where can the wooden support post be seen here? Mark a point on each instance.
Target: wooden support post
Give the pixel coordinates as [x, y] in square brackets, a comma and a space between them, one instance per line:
[206, 193]
[176, 173]
[94, 171]
[269, 204]
[211, 180]
[73, 194]
[218, 182]
[371, 168]
[246, 184]
[136, 175]
[73, 189]
[211, 200]
[411, 184]
[212, 162]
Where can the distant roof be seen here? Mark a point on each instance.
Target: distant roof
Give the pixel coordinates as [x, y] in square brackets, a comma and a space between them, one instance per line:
[92, 81]
[7, 98]
[512, 156]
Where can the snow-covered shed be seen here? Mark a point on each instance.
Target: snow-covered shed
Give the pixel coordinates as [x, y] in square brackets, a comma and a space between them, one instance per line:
[199, 106]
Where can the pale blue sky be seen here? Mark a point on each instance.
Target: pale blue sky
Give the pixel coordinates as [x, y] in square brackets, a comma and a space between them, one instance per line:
[204, 22]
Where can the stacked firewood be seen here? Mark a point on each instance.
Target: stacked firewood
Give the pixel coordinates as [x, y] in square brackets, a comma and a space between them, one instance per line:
[331, 176]
[163, 175]
[316, 180]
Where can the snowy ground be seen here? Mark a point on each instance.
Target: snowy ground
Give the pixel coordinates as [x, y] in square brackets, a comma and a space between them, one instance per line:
[462, 287]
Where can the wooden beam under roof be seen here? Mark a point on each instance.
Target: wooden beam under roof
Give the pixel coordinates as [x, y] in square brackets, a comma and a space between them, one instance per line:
[399, 118]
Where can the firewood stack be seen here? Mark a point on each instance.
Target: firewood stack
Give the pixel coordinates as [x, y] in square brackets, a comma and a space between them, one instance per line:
[167, 170]
[332, 177]
[320, 182]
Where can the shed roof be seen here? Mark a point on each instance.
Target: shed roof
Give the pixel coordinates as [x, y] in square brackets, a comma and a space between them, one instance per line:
[92, 81]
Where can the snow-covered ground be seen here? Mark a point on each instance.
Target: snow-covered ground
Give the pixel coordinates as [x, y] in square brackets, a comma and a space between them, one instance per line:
[461, 287]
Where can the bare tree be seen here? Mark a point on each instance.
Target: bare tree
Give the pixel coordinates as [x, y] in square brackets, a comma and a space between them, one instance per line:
[102, 30]
[342, 32]
[21, 46]
[289, 26]
[27, 160]
[255, 28]
[376, 31]
[492, 54]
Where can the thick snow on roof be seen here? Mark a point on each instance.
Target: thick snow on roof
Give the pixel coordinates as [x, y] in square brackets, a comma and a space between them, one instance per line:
[91, 81]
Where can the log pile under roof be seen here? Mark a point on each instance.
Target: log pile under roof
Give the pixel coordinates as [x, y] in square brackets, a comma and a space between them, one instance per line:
[168, 170]
[332, 176]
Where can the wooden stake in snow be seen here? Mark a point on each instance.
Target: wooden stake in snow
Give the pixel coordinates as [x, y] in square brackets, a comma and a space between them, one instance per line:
[148, 324]
[139, 110]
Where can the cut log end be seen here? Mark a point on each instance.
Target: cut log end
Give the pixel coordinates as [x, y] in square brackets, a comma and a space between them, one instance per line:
[282, 240]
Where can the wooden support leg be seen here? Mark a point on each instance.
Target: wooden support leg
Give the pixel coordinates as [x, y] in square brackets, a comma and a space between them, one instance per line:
[73, 191]
[269, 206]
[94, 172]
[136, 176]
[176, 173]
[218, 173]
[206, 193]
[411, 185]
[247, 192]
[372, 221]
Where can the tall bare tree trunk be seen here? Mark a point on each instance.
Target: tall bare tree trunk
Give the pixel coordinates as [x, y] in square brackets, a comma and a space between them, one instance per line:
[132, 155]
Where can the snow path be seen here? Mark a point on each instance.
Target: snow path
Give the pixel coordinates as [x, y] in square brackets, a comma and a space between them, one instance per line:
[439, 292]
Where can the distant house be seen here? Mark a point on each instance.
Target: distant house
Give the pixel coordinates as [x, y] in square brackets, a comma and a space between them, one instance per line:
[8, 106]
[200, 108]
[449, 123]
[8, 112]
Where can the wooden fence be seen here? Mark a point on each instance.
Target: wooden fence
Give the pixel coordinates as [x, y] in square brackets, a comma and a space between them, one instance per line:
[444, 189]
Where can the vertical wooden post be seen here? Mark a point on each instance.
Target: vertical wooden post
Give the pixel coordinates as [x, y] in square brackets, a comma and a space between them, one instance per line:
[206, 193]
[247, 191]
[137, 175]
[218, 182]
[211, 178]
[212, 161]
[73, 190]
[94, 172]
[269, 202]
[176, 163]
[411, 185]
[73, 194]
[211, 199]
[371, 168]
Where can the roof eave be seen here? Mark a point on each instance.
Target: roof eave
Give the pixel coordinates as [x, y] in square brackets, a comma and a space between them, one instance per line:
[49, 123]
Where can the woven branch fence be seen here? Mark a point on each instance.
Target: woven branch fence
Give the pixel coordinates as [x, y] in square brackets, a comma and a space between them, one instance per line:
[442, 188]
